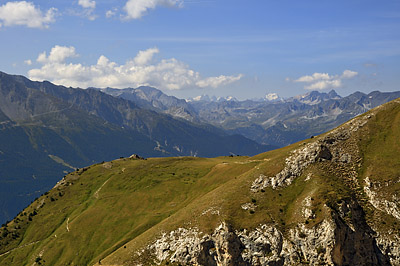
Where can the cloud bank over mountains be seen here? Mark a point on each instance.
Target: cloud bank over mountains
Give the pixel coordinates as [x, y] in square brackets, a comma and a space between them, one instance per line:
[143, 69]
[321, 81]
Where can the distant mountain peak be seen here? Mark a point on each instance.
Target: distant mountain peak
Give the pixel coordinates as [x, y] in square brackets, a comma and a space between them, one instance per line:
[206, 98]
[227, 99]
[316, 97]
[199, 98]
[272, 97]
[332, 94]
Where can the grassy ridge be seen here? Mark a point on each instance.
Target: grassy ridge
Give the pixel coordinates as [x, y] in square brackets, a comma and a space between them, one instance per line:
[109, 204]
[118, 206]
[110, 210]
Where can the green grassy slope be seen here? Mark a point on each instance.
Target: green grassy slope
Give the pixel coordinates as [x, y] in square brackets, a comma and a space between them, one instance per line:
[109, 211]
[48, 130]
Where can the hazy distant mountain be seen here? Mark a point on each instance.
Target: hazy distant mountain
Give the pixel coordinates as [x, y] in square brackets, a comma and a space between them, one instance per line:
[207, 98]
[315, 97]
[46, 130]
[271, 120]
[284, 122]
[272, 97]
[154, 99]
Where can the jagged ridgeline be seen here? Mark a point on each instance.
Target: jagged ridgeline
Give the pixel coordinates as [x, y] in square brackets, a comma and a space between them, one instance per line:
[329, 200]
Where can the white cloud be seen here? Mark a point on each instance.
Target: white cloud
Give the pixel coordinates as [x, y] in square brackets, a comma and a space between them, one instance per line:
[348, 74]
[111, 13]
[321, 81]
[28, 62]
[314, 77]
[144, 57]
[57, 54]
[324, 84]
[135, 9]
[87, 4]
[215, 82]
[170, 73]
[24, 13]
[89, 7]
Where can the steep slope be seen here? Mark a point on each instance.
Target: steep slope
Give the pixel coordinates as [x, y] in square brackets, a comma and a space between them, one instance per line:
[154, 99]
[171, 136]
[329, 200]
[47, 131]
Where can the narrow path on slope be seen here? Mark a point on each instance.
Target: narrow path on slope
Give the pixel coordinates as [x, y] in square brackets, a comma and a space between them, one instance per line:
[96, 194]
[51, 112]
[67, 225]
[29, 244]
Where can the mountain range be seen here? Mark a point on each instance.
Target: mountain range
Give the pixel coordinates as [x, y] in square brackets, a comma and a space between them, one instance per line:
[333, 199]
[47, 131]
[279, 123]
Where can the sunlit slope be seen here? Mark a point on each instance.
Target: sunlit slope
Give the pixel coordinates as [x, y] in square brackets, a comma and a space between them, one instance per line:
[99, 208]
[111, 213]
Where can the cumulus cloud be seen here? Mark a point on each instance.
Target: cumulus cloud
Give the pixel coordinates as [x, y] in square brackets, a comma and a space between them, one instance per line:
[348, 74]
[144, 57]
[135, 9]
[321, 81]
[28, 62]
[57, 54]
[24, 13]
[215, 82]
[88, 6]
[170, 74]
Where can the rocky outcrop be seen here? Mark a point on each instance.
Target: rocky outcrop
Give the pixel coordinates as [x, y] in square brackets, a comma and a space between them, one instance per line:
[136, 157]
[187, 246]
[343, 238]
[355, 240]
[389, 244]
[390, 207]
[326, 148]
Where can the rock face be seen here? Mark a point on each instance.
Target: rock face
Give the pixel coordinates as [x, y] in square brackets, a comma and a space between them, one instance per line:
[328, 148]
[355, 240]
[334, 241]
[186, 246]
[390, 207]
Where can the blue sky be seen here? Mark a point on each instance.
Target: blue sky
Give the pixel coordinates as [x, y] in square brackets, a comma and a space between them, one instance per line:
[187, 48]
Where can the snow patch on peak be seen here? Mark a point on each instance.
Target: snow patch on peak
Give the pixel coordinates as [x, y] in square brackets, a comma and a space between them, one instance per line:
[272, 96]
